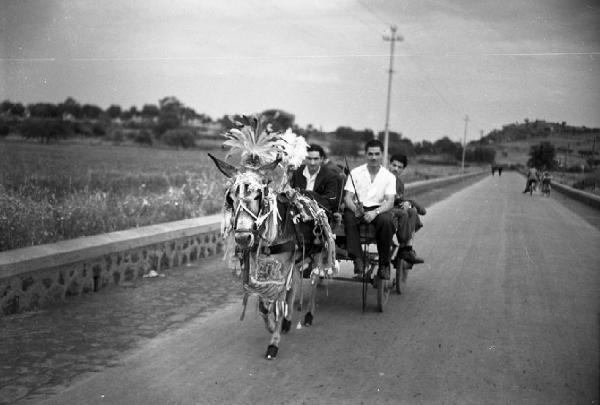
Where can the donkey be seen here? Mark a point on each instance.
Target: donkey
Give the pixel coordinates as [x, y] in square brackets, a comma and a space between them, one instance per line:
[271, 241]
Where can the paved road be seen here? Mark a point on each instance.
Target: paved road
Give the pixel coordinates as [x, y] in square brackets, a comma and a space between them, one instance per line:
[504, 311]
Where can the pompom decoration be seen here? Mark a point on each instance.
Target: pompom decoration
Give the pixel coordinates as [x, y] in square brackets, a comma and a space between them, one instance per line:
[294, 148]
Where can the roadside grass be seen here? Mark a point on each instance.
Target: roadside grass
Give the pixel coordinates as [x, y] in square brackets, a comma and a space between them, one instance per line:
[50, 193]
[55, 192]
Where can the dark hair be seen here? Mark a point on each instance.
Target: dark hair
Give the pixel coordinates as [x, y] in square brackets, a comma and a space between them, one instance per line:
[374, 143]
[313, 147]
[399, 158]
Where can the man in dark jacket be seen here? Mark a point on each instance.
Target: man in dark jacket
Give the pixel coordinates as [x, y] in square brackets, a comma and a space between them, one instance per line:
[316, 181]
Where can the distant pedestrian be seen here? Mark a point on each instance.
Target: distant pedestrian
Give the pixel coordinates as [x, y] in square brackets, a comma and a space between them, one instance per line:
[499, 170]
[493, 170]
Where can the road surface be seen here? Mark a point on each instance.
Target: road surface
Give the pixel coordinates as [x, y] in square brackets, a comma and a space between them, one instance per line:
[504, 311]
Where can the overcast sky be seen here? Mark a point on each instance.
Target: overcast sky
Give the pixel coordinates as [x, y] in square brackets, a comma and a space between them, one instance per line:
[324, 61]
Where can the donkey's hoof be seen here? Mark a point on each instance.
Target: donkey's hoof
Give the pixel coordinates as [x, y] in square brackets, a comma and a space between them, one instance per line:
[271, 352]
[286, 325]
[308, 318]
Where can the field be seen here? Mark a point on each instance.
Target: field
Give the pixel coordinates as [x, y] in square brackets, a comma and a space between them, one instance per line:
[62, 191]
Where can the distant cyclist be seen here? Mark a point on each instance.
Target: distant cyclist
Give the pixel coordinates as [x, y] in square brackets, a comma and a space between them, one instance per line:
[532, 180]
[546, 183]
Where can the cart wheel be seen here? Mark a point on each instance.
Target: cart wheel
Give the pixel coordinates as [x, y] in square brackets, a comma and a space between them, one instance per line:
[401, 273]
[384, 287]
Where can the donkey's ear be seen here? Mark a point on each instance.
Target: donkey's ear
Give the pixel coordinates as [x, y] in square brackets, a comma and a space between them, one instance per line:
[225, 168]
[269, 167]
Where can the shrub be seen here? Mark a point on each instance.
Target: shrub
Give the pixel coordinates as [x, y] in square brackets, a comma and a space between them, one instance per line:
[180, 138]
[98, 129]
[84, 129]
[46, 129]
[480, 155]
[4, 130]
[143, 137]
[116, 136]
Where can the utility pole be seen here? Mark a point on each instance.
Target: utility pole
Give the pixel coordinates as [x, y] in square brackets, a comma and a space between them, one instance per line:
[464, 143]
[392, 38]
[593, 153]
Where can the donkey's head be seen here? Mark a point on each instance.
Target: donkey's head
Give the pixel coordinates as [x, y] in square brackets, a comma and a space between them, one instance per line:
[246, 198]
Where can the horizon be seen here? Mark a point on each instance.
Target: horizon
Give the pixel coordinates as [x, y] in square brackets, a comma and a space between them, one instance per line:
[215, 119]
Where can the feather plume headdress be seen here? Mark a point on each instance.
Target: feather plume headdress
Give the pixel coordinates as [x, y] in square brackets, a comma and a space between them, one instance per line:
[259, 145]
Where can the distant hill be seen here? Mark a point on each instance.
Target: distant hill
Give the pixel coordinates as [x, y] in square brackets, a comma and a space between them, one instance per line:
[513, 141]
[536, 129]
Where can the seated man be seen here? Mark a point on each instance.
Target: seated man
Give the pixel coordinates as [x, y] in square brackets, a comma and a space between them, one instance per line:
[370, 191]
[316, 181]
[407, 213]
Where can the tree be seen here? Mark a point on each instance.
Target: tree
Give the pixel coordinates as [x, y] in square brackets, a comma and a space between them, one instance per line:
[344, 147]
[279, 119]
[424, 147]
[44, 110]
[16, 109]
[169, 116]
[542, 155]
[114, 111]
[480, 155]
[392, 136]
[150, 111]
[5, 106]
[90, 111]
[71, 107]
[447, 146]
[359, 137]
[403, 146]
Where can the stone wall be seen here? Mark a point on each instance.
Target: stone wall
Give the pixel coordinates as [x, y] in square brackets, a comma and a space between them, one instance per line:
[34, 277]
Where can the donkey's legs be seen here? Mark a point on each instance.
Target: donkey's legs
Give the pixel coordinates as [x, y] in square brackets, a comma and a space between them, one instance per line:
[274, 344]
[315, 280]
[312, 299]
[285, 321]
[290, 298]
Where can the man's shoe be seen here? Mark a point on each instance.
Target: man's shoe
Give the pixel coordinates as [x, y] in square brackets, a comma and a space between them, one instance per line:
[411, 257]
[384, 271]
[359, 266]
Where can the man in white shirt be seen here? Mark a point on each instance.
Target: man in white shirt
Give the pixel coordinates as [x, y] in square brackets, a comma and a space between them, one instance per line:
[370, 191]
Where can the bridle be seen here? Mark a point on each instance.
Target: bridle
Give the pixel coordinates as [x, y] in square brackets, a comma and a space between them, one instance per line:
[244, 184]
